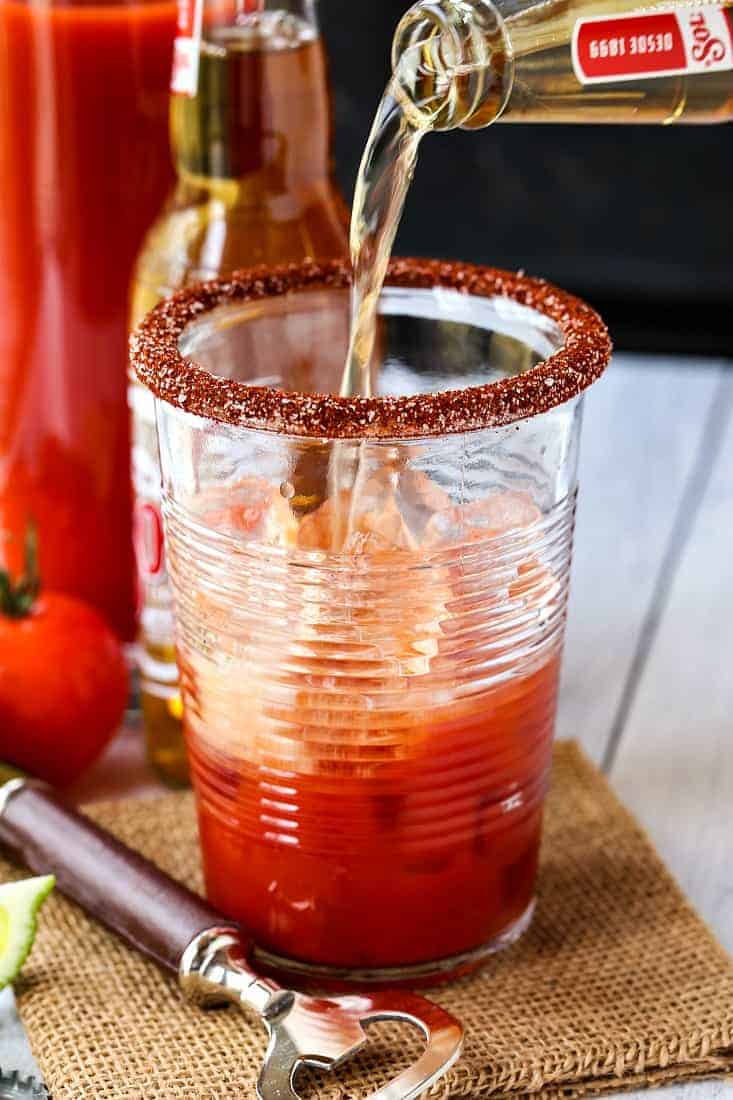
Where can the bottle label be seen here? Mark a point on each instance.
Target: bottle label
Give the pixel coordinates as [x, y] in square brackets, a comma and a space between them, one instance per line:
[644, 45]
[148, 537]
[186, 48]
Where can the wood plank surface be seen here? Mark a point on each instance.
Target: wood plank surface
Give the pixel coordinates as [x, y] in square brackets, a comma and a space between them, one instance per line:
[15, 1054]
[645, 425]
[674, 764]
[715, 1089]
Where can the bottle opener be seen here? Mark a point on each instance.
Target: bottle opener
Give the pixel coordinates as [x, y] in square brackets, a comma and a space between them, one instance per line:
[210, 955]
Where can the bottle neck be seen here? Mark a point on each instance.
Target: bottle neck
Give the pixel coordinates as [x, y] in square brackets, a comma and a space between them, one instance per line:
[468, 63]
[453, 63]
[261, 112]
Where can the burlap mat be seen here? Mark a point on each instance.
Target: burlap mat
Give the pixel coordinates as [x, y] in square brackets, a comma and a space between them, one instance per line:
[617, 984]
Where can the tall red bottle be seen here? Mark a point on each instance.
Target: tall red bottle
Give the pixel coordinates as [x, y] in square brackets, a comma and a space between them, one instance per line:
[84, 166]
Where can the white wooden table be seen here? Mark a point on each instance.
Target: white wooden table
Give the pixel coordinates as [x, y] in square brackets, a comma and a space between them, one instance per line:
[648, 677]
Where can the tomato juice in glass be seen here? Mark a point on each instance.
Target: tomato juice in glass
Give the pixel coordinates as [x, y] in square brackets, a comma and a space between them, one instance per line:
[84, 168]
[370, 600]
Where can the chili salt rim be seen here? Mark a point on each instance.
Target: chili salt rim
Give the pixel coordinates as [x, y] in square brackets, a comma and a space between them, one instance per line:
[179, 381]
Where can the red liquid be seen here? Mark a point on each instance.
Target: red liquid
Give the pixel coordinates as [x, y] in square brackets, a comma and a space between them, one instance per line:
[423, 859]
[84, 168]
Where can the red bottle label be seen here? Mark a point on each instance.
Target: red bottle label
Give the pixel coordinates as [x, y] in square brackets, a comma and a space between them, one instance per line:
[658, 43]
[149, 548]
[186, 48]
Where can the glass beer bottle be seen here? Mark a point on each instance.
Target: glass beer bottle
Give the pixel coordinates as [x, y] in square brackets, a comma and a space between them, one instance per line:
[250, 122]
[610, 61]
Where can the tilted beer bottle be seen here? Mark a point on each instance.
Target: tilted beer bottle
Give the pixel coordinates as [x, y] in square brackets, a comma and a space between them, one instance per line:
[614, 61]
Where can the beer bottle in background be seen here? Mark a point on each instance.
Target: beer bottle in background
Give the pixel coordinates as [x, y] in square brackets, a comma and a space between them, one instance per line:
[250, 123]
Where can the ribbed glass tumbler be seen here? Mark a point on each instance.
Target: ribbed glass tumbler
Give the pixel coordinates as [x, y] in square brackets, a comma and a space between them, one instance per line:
[370, 597]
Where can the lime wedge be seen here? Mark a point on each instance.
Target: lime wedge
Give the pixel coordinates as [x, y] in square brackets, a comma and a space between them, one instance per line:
[19, 905]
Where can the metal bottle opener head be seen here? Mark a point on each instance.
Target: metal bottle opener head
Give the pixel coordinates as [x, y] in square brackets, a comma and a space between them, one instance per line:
[322, 1032]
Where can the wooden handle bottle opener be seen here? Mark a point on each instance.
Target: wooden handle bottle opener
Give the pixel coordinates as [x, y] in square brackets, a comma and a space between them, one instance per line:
[208, 953]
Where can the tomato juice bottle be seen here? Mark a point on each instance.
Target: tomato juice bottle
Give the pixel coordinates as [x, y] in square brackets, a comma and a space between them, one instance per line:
[84, 166]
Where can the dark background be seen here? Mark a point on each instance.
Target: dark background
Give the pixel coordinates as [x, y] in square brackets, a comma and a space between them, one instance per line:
[637, 219]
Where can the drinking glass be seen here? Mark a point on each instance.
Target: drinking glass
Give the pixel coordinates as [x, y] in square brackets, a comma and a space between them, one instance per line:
[370, 599]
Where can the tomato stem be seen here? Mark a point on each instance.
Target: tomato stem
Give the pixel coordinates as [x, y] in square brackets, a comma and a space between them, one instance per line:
[18, 597]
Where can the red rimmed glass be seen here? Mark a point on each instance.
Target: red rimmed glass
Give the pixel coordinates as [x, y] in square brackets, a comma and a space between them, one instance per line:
[370, 600]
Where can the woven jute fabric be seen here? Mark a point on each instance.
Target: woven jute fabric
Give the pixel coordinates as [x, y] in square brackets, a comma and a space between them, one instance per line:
[616, 984]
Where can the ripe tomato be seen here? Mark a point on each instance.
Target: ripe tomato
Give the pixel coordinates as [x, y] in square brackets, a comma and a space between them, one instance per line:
[63, 685]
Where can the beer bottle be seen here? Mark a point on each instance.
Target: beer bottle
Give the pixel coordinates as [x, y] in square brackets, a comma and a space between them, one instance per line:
[250, 124]
[610, 61]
